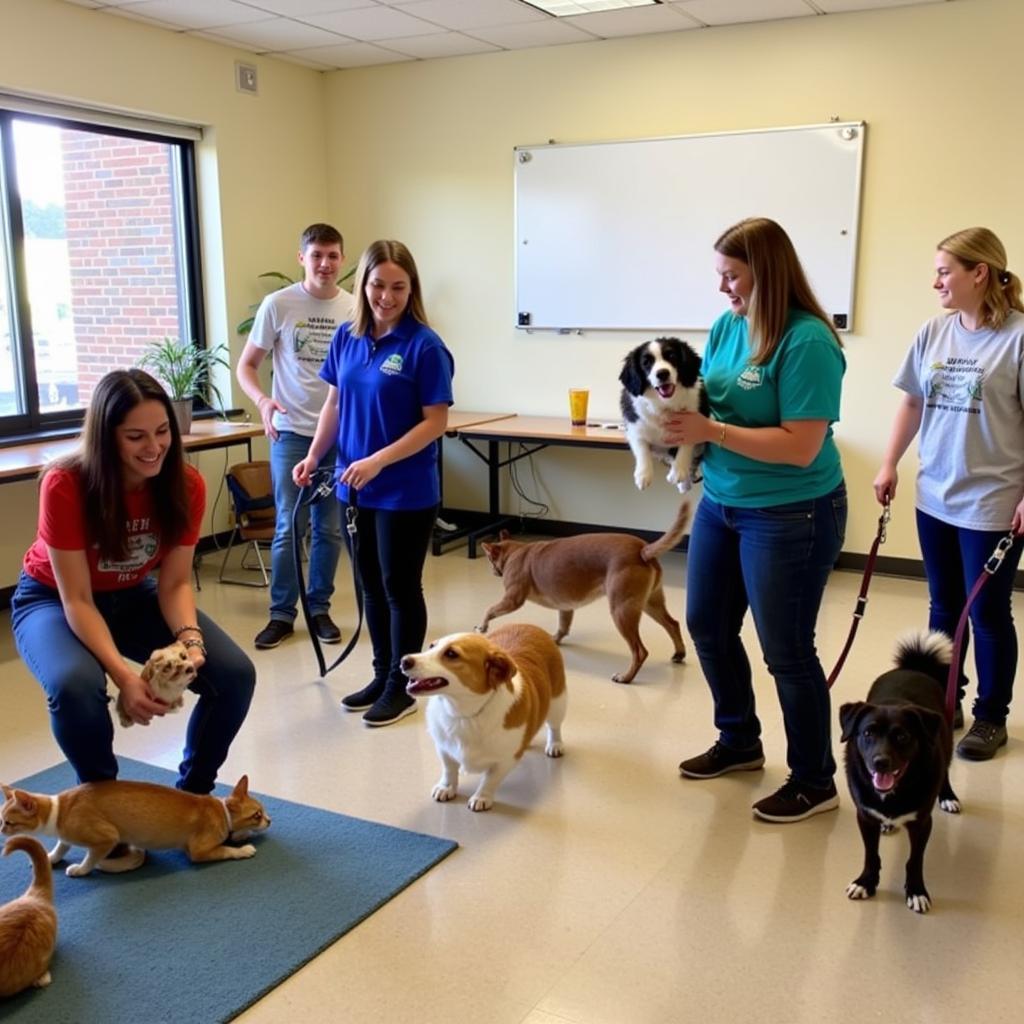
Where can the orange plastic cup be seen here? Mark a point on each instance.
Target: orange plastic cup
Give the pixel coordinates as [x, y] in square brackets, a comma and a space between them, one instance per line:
[578, 399]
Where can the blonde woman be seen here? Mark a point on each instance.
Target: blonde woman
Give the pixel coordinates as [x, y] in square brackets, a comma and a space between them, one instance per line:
[772, 519]
[963, 380]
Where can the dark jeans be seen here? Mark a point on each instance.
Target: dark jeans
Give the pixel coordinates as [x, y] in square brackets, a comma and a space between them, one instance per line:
[775, 561]
[392, 547]
[76, 683]
[953, 558]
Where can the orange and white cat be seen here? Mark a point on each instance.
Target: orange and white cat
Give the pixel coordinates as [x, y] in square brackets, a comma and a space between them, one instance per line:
[169, 672]
[28, 925]
[101, 815]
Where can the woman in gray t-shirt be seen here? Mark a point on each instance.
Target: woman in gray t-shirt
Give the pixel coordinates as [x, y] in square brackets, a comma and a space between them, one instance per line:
[963, 380]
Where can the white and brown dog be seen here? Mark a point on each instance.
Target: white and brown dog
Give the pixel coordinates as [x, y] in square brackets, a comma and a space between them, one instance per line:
[169, 671]
[490, 696]
[659, 377]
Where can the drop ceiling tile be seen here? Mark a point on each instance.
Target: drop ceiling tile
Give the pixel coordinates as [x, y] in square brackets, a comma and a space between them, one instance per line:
[372, 23]
[542, 33]
[467, 15]
[731, 12]
[349, 55]
[185, 14]
[277, 34]
[442, 44]
[633, 21]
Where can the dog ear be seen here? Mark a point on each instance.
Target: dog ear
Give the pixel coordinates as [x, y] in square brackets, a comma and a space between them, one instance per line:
[849, 717]
[499, 669]
[631, 378]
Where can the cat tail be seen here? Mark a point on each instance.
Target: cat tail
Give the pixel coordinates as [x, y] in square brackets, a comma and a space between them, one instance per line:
[673, 535]
[42, 873]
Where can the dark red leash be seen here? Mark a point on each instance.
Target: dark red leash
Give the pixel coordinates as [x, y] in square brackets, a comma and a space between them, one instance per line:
[988, 571]
[862, 597]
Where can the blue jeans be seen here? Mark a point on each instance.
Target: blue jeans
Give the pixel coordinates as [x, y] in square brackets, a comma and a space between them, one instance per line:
[285, 452]
[775, 561]
[76, 684]
[953, 558]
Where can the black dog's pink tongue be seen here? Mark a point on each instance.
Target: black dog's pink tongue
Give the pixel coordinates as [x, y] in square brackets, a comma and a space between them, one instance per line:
[667, 390]
[883, 781]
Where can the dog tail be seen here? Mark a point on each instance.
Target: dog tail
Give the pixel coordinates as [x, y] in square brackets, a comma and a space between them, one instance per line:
[42, 874]
[672, 536]
[926, 651]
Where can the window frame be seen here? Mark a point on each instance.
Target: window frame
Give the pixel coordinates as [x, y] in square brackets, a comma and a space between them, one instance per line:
[34, 423]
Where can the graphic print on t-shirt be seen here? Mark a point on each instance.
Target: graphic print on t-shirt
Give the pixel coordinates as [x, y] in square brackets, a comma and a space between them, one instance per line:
[143, 545]
[392, 365]
[951, 384]
[313, 338]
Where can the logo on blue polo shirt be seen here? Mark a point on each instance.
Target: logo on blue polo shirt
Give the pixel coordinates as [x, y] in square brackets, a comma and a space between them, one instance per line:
[750, 378]
[392, 365]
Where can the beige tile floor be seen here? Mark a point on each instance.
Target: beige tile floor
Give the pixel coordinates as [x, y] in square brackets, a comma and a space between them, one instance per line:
[604, 889]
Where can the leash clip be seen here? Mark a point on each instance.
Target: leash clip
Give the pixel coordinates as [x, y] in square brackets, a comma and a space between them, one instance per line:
[883, 519]
[996, 558]
[351, 515]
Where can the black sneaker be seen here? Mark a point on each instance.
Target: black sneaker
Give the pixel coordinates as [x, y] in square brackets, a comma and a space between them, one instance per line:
[794, 801]
[364, 698]
[272, 634]
[982, 741]
[721, 759]
[326, 630]
[390, 709]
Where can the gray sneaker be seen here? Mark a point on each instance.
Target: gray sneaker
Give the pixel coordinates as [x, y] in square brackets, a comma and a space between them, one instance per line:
[981, 741]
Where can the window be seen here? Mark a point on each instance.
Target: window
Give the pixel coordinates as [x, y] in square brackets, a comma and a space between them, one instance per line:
[98, 257]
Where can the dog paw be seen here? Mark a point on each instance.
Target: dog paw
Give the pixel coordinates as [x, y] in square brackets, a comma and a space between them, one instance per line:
[856, 891]
[554, 749]
[950, 806]
[622, 677]
[679, 657]
[642, 479]
[42, 981]
[482, 628]
[683, 486]
[479, 803]
[77, 870]
[244, 852]
[673, 476]
[887, 828]
[919, 903]
[442, 794]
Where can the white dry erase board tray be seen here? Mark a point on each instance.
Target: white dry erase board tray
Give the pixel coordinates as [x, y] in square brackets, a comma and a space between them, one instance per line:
[619, 235]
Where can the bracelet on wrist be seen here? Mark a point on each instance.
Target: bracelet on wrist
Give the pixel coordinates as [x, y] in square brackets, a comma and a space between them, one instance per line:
[194, 642]
[187, 629]
[721, 435]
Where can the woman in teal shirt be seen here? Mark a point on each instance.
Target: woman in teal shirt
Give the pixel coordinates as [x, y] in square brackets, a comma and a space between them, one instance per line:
[772, 519]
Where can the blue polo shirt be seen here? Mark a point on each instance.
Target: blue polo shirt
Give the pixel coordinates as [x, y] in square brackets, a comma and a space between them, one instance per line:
[801, 381]
[383, 385]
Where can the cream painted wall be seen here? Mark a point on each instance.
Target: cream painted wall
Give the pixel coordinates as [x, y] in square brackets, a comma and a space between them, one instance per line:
[427, 155]
[262, 171]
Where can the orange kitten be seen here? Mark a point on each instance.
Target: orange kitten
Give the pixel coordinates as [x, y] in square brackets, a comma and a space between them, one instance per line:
[28, 925]
[100, 815]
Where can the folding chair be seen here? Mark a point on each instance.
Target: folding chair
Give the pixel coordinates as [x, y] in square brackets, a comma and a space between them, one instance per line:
[252, 496]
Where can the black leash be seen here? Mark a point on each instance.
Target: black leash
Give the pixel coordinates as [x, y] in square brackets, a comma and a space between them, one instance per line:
[320, 487]
[862, 597]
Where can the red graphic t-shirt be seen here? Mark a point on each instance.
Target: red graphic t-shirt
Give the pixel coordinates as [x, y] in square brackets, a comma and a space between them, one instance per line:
[62, 526]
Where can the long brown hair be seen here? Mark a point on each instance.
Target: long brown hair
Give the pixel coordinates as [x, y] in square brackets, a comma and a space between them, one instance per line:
[780, 284]
[99, 466]
[385, 251]
[974, 246]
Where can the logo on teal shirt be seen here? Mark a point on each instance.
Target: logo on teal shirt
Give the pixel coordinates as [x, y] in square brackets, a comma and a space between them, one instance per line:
[392, 365]
[750, 378]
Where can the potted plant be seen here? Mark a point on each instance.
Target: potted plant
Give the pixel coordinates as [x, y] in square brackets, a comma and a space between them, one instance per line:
[185, 370]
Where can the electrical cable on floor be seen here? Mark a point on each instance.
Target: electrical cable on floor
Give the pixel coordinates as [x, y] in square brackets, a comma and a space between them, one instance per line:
[513, 472]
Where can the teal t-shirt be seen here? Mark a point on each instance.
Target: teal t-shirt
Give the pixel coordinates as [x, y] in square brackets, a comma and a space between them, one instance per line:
[801, 381]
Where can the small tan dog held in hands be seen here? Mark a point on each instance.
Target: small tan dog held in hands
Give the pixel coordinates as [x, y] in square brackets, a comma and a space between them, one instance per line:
[143, 815]
[571, 572]
[488, 699]
[169, 671]
[28, 925]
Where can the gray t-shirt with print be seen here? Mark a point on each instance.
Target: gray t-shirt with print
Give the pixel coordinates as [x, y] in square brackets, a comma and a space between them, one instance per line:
[297, 328]
[971, 442]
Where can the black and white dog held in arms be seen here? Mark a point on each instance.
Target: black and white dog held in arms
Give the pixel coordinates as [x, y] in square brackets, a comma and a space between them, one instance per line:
[659, 377]
[898, 747]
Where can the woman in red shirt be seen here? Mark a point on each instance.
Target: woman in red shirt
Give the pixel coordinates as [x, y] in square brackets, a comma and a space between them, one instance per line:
[85, 605]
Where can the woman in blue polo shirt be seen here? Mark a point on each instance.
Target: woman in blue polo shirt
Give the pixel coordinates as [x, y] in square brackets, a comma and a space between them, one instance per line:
[390, 380]
[772, 519]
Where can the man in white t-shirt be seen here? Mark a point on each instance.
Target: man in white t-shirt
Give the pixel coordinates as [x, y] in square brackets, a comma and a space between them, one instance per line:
[296, 324]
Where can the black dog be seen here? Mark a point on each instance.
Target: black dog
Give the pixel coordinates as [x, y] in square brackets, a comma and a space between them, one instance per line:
[658, 377]
[898, 748]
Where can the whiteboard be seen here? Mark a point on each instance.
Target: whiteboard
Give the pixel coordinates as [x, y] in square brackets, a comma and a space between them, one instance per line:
[619, 235]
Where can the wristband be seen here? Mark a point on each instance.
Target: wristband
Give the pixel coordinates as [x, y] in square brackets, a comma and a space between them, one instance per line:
[721, 435]
[186, 629]
[194, 642]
